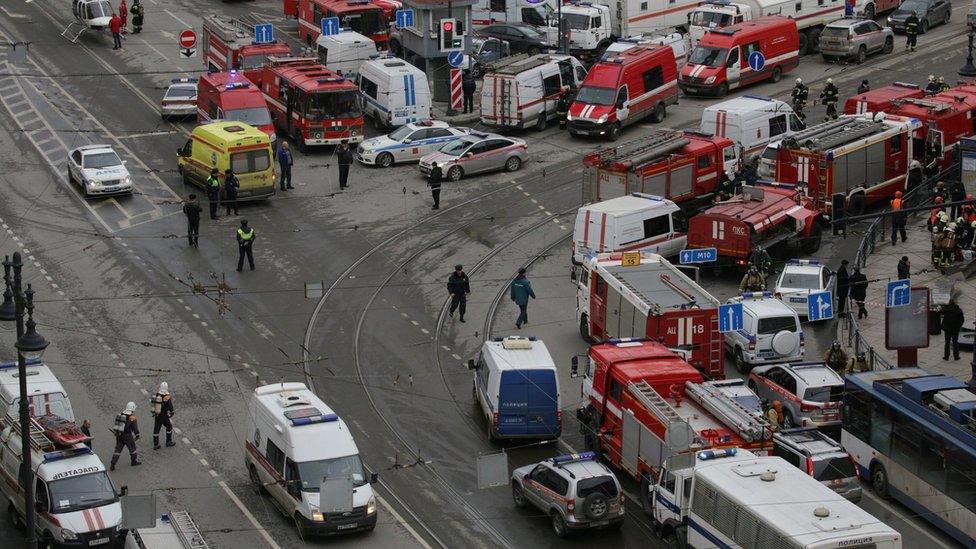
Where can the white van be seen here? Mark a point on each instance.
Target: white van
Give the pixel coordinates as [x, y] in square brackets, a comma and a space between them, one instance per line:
[393, 92]
[752, 121]
[630, 223]
[677, 41]
[537, 13]
[344, 52]
[516, 385]
[46, 395]
[77, 504]
[294, 443]
[520, 91]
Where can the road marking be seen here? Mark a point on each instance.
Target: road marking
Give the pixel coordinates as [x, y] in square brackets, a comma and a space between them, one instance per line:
[184, 23]
[146, 134]
[415, 323]
[425, 330]
[12, 15]
[161, 54]
[257, 525]
[406, 525]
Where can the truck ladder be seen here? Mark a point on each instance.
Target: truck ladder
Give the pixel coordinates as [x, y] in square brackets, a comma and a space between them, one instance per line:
[734, 415]
[715, 346]
[935, 106]
[647, 396]
[187, 530]
[842, 136]
[39, 441]
[632, 149]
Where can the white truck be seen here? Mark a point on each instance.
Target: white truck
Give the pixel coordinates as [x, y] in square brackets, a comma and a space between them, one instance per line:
[537, 13]
[810, 15]
[752, 121]
[734, 498]
[677, 41]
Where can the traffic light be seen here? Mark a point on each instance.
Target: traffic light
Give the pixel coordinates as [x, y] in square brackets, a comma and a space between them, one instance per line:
[450, 35]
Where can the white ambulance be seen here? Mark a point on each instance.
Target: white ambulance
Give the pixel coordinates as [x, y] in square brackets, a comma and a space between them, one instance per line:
[344, 52]
[393, 92]
[295, 443]
[521, 91]
[77, 505]
[752, 121]
[634, 222]
[46, 395]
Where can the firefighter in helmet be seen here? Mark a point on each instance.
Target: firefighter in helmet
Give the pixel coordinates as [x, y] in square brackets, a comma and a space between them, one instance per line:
[753, 281]
[799, 95]
[836, 358]
[761, 260]
[829, 97]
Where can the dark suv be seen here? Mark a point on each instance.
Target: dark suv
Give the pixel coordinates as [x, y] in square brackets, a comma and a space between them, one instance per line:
[821, 457]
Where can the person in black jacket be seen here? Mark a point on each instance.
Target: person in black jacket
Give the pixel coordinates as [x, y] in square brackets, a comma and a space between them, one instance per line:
[904, 268]
[231, 185]
[952, 321]
[126, 431]
[345, 160]
[843, 287]
[468, 86]
[434, 182]
[859, 291]
[459, 288]
[192, 209]
[957, 193]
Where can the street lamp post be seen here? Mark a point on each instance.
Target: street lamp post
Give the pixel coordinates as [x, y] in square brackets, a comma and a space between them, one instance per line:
[30, 345]
[969, 69]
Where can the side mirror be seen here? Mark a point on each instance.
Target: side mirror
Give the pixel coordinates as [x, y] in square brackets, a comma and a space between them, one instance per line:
[374, 478]
[574, 369]
[407, 141]
[471, 364]
[293, 488]
[468, 154]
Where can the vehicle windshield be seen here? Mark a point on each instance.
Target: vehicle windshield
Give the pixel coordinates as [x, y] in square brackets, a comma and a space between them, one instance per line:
[710, 19]
[102, 160]
[311, 473]
[913, 5]
[81, 492]
[255, 116]
[601, 485]
[708, 56]
[365, 22]
[592, 95]
[576, 21]
[332, 105]
[255, 61]
[836, 468]
[803, 281]
[834, 32]
[827, 393]
[400, 133]
[455, 148]
[98, 9]
[775, 324]
[180, 92]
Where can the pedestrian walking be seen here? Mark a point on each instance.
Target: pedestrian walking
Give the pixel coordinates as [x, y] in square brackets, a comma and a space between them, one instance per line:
[459, 287]
[800, 94]
[957, 193]
[138, 13]
[231, 186]
[911, 31]
[843, 287]
[115, 26]
[933, 86]
[521, 291]
[86, 429]
[345, 160]
[126, 429]
[434, 182]
[192, 209]
[213, 192]
[863, 87]
[829, 97]
[859, 291]
[123, 16]
[163, 411]
[836, 358]
[904, 268]
[898, 219]
[468, 86]
[245, 245]
[752, 281]
[285, 161]
[952, 320]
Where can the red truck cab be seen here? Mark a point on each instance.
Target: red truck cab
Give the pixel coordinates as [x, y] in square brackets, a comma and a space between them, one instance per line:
[720, 61]
[362, 16]
[228, 45]
[231, 96]
[946, 117]
[882, 99]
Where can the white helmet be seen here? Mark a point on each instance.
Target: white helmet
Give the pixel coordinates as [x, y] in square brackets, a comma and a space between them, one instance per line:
[129, 408]
[799, 80]
[164, 388]
[931, 78]
[830, 80]
[916, 164]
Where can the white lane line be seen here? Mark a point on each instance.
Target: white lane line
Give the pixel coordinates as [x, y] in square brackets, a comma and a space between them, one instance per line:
[425, 330]
[415, 323]
[402, 522]
[194, 451]
[161, 54]
[213, 473]
[456, 357]
[257, 525]
[184, 23]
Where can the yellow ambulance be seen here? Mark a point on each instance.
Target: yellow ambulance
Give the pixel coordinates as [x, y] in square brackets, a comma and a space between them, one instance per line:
[235, 145]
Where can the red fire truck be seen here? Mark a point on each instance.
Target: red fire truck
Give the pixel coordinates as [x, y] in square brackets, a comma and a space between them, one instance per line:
[762, 215]
[362, 16]
[619, 297]
[228, 45]
[945, 118]
[231, 96]
[635, 389]
[881, 99]
[864, 157]
[682, 166]
[310, 103]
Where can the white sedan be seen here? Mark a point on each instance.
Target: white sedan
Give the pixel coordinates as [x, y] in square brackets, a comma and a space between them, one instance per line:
[799, 279]
[180, 98]
[98, 170]
[407, 143]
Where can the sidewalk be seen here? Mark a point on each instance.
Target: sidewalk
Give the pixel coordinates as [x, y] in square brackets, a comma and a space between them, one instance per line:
[459, 119]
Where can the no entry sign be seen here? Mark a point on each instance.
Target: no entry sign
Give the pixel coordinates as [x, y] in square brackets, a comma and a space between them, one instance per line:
[188, 39]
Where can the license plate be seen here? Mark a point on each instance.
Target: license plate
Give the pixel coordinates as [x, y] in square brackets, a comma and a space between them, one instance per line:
[98, 541]
[798, 300]
[347, 526]
[601, 523]
[765, 354]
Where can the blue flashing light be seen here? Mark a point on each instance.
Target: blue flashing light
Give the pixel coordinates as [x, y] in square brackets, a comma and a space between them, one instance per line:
[713, 454]
[654, 197]
[237, 85]
[569, 458]
[322, 418]
[748, 295]
[64, 454]
[804, 262]
[13, 363]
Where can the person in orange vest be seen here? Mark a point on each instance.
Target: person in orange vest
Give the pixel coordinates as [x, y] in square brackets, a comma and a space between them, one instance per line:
[936, 216]
[898, 219]
[774, 415]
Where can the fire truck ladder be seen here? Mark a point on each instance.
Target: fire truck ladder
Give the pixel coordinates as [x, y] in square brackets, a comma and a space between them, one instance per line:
[715, 347]
[934, 106]
[39, 441]
[639, 151]
[514, 64]
[728, 410]
[187, 530]
[845, 134]
[647, 396]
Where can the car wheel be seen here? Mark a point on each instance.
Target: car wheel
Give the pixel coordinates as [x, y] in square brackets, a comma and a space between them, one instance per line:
[677, 538]
[491, 434]
[71, 177]
[879, 480]
[862, 54]
[614, 132]
[889, 45]
[813, 40]
[596, 506]
[740, 361]
[925, 27]
[533, 50]
[804, 44]
[455, 173]
[559, 525]
[517, 496]
[259, 488]
[869, 11]
[542, 121]
[513, 164]
[723, 90]
[84, 190]
[777, 74]
[384, 160]
[948, 16]
[659, 114]
[811, 243]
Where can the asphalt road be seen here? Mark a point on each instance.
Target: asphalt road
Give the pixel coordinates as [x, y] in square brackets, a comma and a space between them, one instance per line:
[116, 281]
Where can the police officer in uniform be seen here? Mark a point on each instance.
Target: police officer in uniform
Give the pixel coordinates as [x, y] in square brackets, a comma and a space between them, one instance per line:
[345, 160]
[459, 288]
[245, 243]
[829, 97]
[231, 186]
[911, 31]
[126, 431]
[213, 192]
[434, 182]
[162, 411]
[192, 209]
[800, 95]
[137, 16]
[468, 86]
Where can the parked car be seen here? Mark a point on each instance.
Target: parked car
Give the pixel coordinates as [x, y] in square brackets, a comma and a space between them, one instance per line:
[930, 13]
[811, 393]
[180, 98]
[477, 152]
[98, 170]
[821, 457]
[854, 38]
[484, 51]
[800, 278]
[770, 333]
[407, 143]
[520, 38]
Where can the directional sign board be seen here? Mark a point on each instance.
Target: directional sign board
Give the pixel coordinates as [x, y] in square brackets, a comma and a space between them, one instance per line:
[757, 61]
[404, 18]
[700, 255]
[455, 58]
[899, 293]
[730, 317]
[820, 306]
[330, 26]
[264, 33]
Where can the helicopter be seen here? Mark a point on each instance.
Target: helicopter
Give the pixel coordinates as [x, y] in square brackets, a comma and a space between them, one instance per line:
[88, 14]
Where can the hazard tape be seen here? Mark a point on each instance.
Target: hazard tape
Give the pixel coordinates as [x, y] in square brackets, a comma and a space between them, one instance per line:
[456, 96]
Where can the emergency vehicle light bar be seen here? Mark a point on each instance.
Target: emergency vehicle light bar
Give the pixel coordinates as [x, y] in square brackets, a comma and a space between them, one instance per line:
[759, 97]
[648, 196]
[237, 85]
[712, 454]
[13, 363]
[330, 79]
[64, 454]
[183, 80]
[748, 295]
[804, 262]
[569, 458]
[321, 418]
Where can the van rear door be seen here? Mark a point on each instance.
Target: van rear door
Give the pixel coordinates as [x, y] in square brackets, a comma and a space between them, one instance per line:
[528, 404]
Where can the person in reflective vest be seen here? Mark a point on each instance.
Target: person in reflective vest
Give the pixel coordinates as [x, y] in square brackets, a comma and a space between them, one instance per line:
[137, 16]
[213, 192]
[898, 219]
[836, 358]
[943, 85]
[245, 244]
[911, 31]
[829, 97]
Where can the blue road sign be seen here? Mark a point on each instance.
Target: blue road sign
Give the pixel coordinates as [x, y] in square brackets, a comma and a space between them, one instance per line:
[404, 18]
[455, 58]
[730, 317]
[330, 26]
[757, 60]
[899, 293]
[264, 33]
[699, 255]
[820, 306]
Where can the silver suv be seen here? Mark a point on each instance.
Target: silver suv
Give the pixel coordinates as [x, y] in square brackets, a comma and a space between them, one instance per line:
[811, 393]
[770, 332]
[576, 491]
[821, 457]
[854, 39]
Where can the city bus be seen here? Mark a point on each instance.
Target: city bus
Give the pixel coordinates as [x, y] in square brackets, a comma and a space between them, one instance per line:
[913, 436]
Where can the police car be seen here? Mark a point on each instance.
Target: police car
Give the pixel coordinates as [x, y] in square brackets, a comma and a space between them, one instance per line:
[800, 278]
[98, 170]
[770, 332]
[180, 98]
[477, 152]
[408, 143]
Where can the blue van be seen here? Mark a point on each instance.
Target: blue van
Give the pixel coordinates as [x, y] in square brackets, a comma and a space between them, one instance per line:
[517, 387]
